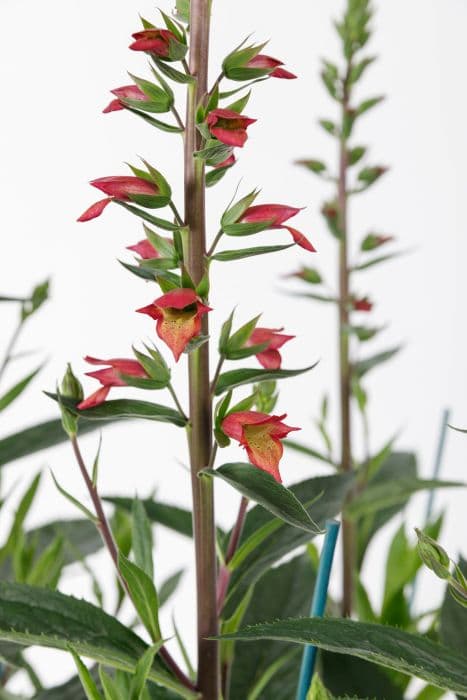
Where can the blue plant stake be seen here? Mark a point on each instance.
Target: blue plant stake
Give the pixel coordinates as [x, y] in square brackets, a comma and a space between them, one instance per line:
[318, 604]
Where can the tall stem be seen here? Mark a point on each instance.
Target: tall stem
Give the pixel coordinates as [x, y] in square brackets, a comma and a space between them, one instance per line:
[208, 681]
[348, 535]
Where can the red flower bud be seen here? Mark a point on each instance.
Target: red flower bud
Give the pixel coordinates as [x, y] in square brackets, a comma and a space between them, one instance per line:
[118, 187]
[145, 249]
[276, 214]
[270, 357]
[362, 304]
[154, 40]
[230, 160]
[110, 376]
[178, 314]
[131, 92]
[228, 126]
[260, 434]
[262, 61]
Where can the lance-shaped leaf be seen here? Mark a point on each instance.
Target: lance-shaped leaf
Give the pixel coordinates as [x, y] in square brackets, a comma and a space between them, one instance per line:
[238, 377]
[143, 594]
[126, 408]
[381, 644]
[157, 123]
[142, 538]
[17, 389]
[364, 366]
[261, 487]
[154, 220]
[228, 255]
[87, 681]
[379, 496]
[37, 616]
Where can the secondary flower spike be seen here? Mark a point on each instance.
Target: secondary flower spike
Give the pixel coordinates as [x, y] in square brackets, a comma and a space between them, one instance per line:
[276, 214]
[178, 314]
[260, 434]
[131, 92]
[110, 376]
[121, 187]
[270, 357]
[156, 41]
[263, 61]
[229, 126]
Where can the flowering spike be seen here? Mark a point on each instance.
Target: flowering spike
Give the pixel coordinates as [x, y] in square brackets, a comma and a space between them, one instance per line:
[228, 126]
[260, 434]
[178, 314]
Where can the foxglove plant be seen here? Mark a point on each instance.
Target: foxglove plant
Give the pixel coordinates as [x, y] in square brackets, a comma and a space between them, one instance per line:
[241, 596]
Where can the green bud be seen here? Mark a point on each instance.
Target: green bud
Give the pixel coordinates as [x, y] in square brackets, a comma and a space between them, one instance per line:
[71, 386]
[316, 166]
[433, 555]
[266, 396]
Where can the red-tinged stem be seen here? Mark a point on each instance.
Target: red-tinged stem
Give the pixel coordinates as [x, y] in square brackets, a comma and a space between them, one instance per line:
[345, 373]
[208, 680]
[109, 542]
[224, 573]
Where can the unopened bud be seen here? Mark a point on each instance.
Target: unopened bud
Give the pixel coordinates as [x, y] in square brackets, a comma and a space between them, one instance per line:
[71, 386]
[433, 555]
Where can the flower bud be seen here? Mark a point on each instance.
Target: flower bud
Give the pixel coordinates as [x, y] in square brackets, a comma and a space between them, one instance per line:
[71, 386]
[433, 555]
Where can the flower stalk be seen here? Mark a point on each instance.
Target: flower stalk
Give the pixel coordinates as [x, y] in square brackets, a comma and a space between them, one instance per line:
[208, 681]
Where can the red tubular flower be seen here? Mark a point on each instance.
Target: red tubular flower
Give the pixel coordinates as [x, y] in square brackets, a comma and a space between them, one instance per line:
[277, 214]
[118, 187]
[132, 92]
[263, 61]
[154, 40]
[178, 314]
[260, 434]
[270, 357]
[229, 126]
[110, 376]
[145, 249]
[362, 304]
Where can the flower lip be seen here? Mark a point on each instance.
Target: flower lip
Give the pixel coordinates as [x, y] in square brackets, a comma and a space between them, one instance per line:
[153, 40]
[267, 62]
[132, 92]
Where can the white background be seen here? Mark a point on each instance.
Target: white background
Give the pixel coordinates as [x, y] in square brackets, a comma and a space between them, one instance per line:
[58, 62]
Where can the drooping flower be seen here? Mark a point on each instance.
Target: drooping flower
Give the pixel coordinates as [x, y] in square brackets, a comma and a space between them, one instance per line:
[266, 62]
[144, 249]
[270, 357]
[110, 376]
[228, 126]
[121, 187]
[361, 304]
[156, 41]
[178, 314]
[276, 214]
[131, 92]
[260, 434]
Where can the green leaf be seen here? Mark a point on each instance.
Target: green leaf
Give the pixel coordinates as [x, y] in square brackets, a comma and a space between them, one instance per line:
[368, 104]
[453, 619]
[377, 261]
[126, 408]
[228, 255]
[248, 229]
[143, 594]
[238, 339]
[110, 688]
[234, 213]
[37, 616]
[323, 496]
[74, 501]
[174, 74]
[17, 389]
[216, 174]
[387, 646]
[142, 538]
[21, 512]
[284, 591]
[261, 487]
[309, 451]
[173, 517]
[169, 586]
[238, 377]
[154, 220]
[350, 677]
[364, 366]
[318, 691]
[142, 671]
[379, 496]
[87, 681]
